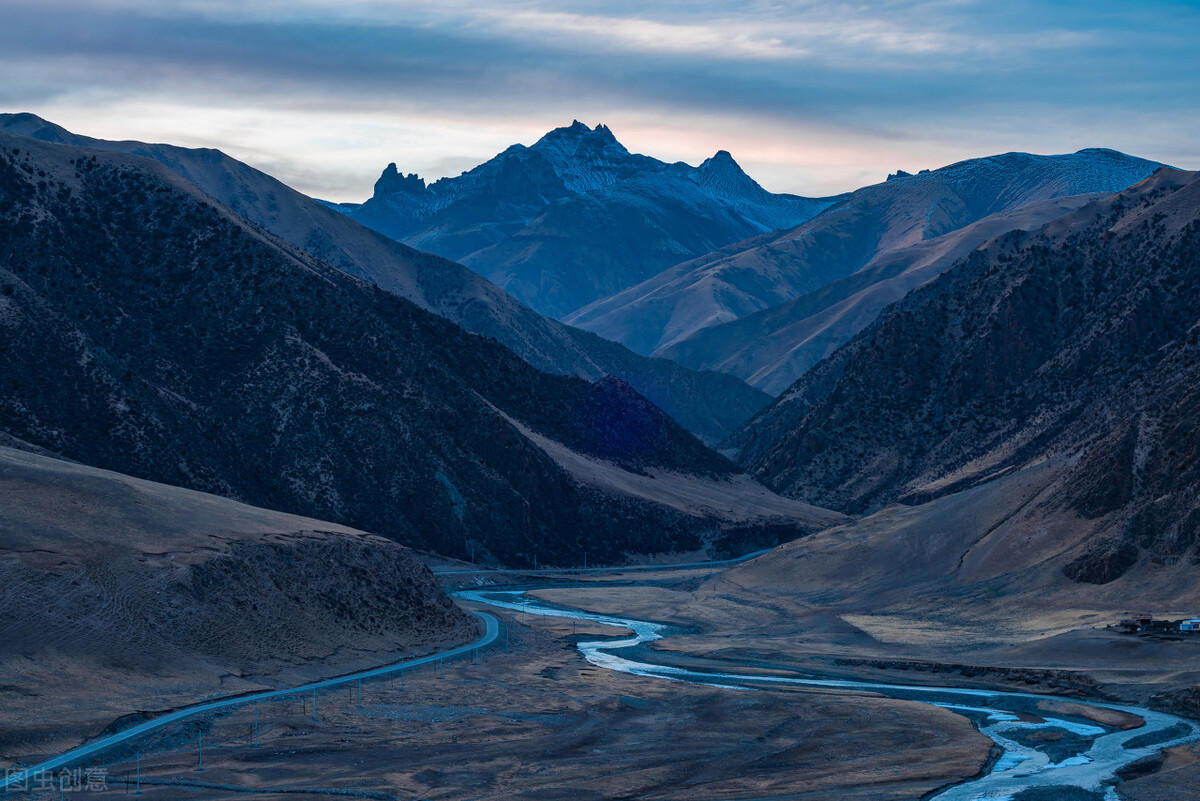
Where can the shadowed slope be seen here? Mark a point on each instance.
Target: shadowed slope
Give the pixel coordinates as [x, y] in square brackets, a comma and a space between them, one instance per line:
[708, 404]
[1078, 340]
[146, 329]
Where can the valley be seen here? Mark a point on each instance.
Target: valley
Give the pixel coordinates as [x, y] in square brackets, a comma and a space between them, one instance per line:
[585, 474]
[1095, 760]
[818, 714]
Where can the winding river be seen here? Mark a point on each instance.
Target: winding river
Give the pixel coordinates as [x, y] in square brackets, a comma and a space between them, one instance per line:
[1080, 753]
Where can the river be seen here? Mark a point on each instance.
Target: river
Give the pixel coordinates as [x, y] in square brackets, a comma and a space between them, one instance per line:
[1085, 755]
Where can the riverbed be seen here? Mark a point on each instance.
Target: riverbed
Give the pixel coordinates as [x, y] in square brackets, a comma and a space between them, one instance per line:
[1043, 755]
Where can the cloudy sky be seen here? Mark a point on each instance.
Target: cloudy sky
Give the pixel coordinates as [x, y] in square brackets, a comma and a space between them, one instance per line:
[813, 97]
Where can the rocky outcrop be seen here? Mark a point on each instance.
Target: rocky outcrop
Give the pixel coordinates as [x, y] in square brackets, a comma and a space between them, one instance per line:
[392, 181]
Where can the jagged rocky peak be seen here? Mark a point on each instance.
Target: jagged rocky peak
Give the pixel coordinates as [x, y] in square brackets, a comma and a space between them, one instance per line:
[576, 141]
[587, 158]
[579, 131]
[576, 128]
[898, 174]
[721, 160]
[393, 181]
[722, 174]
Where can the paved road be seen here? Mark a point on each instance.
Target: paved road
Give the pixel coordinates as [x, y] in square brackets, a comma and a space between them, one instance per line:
[573, 570]
[490, 633]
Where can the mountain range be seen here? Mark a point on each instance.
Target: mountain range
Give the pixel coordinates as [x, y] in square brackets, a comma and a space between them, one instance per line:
[148, 329]
[230, 416]
[576, 217]
[1068, 353]
[1038, 316]
[768, 308]
[707, 403]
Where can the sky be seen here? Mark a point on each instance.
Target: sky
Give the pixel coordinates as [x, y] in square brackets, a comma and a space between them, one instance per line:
[811, 97]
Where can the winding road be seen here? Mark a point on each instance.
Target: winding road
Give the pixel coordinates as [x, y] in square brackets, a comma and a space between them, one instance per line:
[490, 633]
[1005, 717]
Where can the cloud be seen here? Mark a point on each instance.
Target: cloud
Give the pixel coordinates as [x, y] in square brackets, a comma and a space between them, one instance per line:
[893, 76]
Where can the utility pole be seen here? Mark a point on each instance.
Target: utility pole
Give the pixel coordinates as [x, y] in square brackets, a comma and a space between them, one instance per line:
[314, 706]
[256, 727]
[138, 790]
[200, 754]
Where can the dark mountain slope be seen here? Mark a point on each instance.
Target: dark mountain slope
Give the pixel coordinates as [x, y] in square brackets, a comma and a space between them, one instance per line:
[857, 232]
[708, 404]
[575, 216]
[1077, 341]
[146, 329]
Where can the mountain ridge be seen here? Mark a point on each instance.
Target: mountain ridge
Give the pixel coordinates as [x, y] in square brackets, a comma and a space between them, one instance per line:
[765, 271]
[441, 286]
[1076, 341]
[199, 350]
[773, 347]
[541, 221]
